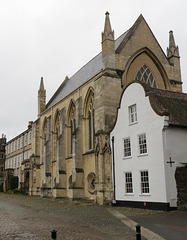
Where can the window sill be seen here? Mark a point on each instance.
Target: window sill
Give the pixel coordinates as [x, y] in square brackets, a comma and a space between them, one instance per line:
[129, 194]
[142, 155]
[145, 194]
[133, 123]
[125, 158]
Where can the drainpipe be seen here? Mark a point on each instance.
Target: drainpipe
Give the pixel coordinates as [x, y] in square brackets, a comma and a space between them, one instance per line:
[114, 184]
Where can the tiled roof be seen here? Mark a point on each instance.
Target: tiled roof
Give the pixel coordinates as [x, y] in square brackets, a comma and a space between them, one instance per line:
[88, 71]
[173, 104]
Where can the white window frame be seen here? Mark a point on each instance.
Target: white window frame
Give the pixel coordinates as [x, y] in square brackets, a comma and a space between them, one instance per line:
[25, 140]
[25, 155]
[144, 182]
[29, 137]
[12, 147]
[12, 164]
[128, 184]
[18, 162]
[142, 144]
[15, 162]
[125, 150]
[133, 114]
[21, 159]
[8, 163]
[19, 143]
[15, 145]
[29, 154]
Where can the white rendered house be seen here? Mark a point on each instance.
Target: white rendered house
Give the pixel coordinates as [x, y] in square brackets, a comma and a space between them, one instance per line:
[149, 140]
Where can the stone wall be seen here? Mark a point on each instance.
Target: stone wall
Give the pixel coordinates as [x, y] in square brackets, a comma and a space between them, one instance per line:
[181, 181]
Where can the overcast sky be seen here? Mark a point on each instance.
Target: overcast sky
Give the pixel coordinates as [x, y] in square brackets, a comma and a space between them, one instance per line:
[55, 38]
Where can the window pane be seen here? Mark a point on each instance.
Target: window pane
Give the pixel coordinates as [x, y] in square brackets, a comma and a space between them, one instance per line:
[128, 183]
[142, 144]
[127, 147]
[133, 113]
[144, 182]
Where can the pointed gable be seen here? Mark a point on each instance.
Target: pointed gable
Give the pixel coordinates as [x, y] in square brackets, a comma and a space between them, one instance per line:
[140, 36]
[129, 34]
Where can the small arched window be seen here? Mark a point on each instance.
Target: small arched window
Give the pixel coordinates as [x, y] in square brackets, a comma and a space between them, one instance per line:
[146, 76]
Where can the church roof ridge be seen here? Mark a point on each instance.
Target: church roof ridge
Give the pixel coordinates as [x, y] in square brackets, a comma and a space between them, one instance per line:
[86, 72]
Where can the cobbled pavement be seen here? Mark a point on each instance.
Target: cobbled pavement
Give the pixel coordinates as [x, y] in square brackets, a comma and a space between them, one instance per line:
[28, 217]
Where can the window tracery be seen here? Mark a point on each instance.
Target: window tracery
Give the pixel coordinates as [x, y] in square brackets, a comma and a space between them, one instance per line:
[146, 76]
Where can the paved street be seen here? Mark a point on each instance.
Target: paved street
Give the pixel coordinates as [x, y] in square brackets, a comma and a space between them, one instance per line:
[25, 217]
[170, 225]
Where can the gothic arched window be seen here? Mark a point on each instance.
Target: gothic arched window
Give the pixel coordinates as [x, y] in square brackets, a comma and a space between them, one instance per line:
[44, 132]
[146, 76]
[56, 134]
[57, 125]
[44, 140]
[89, 121]
[72, 126]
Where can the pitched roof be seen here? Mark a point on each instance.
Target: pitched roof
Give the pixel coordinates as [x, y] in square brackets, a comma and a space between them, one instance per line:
[172, 104]
[88, 71]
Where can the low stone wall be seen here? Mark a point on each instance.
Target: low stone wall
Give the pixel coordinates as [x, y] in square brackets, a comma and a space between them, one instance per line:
[181, 181]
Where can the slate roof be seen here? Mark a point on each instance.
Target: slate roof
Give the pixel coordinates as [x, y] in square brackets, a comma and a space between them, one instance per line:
[88, 71]
[172, 104]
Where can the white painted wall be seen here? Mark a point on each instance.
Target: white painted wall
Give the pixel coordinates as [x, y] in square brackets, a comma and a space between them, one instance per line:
[151, 124]
[175, 146]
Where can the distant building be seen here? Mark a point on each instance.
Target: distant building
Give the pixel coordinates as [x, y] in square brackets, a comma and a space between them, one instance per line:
[2, 157]
[18, 154]
[70, 151]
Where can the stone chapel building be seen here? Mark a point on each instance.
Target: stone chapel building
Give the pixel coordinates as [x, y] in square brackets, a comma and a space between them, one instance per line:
[70, 143]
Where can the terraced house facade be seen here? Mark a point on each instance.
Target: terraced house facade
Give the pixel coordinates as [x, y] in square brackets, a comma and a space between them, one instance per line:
[70, 143]
[17, 164]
